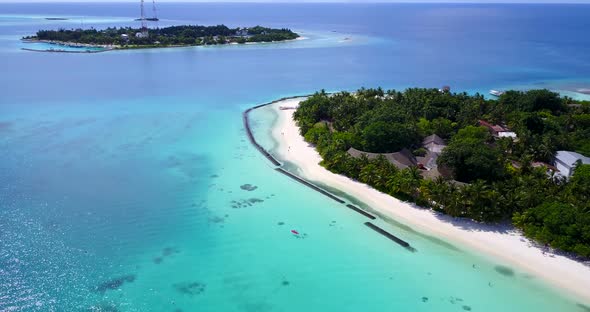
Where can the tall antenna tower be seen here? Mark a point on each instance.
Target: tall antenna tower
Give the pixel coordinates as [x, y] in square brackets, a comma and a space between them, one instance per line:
[142, 18]
[155, 16]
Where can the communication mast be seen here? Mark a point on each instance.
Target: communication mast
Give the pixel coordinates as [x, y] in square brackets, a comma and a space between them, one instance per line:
[155, 16]
[144, 20]
[144, 30]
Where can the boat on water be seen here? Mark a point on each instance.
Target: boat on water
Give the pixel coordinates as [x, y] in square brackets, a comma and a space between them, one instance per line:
[496, 92]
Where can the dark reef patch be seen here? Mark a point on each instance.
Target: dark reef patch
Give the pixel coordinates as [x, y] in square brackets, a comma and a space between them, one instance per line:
[216, 219]
[285, 283]
[256, 307]
[281, 223]
[248, 187]
[466, 308]
[172, 162]
[190, 288]
[506, 271]
[103, 307]
[168, 251]
[115, 283]
[245, 203]
[454, 300]
[200, 204]
[424, 299]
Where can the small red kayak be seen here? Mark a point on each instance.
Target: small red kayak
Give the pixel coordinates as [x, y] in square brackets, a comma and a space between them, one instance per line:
[294, 232]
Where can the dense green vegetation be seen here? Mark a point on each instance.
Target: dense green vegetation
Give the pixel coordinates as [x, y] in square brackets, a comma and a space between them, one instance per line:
[168, 36]
[490, 179]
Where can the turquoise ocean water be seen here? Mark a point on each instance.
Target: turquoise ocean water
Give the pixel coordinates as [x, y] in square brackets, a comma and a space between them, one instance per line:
[122, 174]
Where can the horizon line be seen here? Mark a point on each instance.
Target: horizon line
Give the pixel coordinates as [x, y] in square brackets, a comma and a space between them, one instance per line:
[309, 1]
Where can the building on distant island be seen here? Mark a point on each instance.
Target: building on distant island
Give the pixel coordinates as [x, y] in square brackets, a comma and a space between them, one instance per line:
[125, 37]
[242, 32]
[143, 34]
[445, 89]
[498, 131]
[566, 162]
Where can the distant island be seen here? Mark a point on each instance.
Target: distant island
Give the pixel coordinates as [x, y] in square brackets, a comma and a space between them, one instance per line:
[174, 36]
[521, 157]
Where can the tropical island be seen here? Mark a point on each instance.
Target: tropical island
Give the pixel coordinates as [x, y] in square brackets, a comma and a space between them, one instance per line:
[519, 157]
[173, 36]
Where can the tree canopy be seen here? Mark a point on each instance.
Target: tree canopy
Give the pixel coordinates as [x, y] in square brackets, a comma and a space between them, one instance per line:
[471, 156]
[505, 180]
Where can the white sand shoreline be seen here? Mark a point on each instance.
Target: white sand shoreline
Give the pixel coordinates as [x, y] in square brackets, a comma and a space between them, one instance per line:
[505, 244]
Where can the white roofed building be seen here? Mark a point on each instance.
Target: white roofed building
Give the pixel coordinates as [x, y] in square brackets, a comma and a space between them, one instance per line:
[566, 162]
[507, 134]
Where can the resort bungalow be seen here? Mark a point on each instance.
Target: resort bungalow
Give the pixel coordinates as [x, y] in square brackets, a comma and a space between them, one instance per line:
[566, 162]
[434, 143]
[402, 159]
[125, 37]
[498, 131]
[434, 146]
[429, 161]
[405, 159]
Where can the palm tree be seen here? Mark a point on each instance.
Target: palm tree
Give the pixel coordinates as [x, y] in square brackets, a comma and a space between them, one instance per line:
[436, 192]
[393, 183]
[410, 181]
[368, 174]
[544, 152]
[455, 205]
[476, 195]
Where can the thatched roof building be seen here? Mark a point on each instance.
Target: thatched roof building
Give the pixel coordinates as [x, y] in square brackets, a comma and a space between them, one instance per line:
[402, 159]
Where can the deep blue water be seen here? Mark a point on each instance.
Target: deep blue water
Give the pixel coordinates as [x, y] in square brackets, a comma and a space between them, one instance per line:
[470, 47]
[119, 171]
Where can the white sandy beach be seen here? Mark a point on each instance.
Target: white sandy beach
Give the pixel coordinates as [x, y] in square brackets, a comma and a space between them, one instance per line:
[508, 245]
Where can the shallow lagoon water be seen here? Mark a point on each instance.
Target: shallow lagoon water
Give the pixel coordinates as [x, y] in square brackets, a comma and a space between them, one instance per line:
[122, 176]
